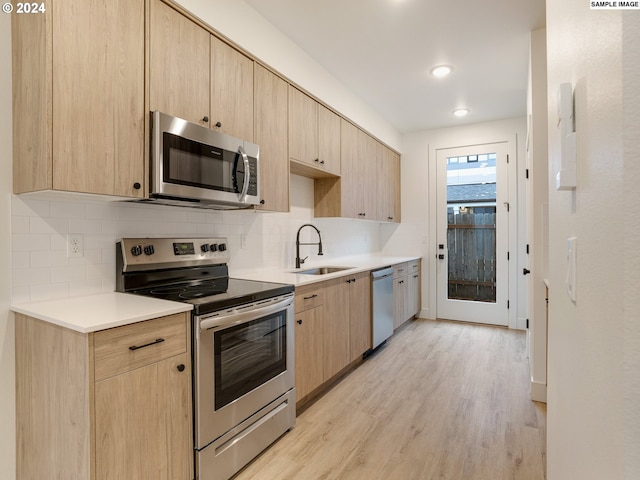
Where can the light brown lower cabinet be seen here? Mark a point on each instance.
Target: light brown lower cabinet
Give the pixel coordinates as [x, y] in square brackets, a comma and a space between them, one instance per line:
[89, 407]
[333, 329]
[406, 292]
[309, 351]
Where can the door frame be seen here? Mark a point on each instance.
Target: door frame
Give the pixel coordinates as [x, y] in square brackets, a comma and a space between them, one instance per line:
[511, 141]
[491, 313]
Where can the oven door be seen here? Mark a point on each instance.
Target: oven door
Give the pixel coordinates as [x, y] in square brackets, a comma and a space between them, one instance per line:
[244, 359]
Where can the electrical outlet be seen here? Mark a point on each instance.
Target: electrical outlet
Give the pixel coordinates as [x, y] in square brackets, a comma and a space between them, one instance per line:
[75, 246]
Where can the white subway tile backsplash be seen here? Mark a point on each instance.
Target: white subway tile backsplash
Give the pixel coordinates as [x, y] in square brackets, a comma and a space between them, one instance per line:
[68, 209]
[41, 269]
[26, 242]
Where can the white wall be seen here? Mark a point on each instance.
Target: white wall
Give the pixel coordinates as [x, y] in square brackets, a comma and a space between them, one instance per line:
[594, 344]
[7, 355]
[416, 234]
[537, 219]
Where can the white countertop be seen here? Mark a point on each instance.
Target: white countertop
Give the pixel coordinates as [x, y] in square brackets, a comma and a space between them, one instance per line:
[96, 312]
[358, 263]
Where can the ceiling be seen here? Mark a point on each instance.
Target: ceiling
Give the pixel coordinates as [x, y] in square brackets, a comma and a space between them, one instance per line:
[383, 50]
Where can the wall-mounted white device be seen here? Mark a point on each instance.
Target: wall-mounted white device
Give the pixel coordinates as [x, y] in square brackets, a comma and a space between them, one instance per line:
[566, 176]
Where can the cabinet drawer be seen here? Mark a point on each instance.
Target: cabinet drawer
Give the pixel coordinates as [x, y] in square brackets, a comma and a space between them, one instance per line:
[400, 269]
[414, 267]
[308, 297]
[118, 350]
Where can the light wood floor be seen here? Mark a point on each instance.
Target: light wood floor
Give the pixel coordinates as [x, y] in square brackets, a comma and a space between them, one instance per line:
[442, 400]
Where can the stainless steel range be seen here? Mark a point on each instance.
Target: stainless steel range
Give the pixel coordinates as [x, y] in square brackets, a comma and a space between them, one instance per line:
[243, 357]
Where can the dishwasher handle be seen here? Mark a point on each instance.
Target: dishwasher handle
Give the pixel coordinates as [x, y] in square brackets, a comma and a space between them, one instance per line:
[381, 273]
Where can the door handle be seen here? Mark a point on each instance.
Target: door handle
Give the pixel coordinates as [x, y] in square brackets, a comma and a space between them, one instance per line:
[526, 271]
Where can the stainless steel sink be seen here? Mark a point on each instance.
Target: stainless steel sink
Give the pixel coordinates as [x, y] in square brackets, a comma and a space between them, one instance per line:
[323, 270]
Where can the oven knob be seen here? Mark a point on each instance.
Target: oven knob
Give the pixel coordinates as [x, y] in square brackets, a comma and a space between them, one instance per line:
[222, 247]
[204, 248]
[149, 250]
[136, 250]
[213, 247]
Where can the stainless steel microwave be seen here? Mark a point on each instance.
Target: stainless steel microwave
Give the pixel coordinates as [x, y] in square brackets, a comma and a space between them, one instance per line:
[194, 166]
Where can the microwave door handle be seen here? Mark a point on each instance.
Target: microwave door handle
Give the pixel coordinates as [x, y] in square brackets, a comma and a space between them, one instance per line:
[247, 174]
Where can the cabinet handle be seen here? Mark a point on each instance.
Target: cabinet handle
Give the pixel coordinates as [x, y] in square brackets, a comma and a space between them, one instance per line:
[262, 202]
[136, 347]
[299, 322]
[349, 281]
[309, 298]
[181, 367]
[389, 218]
[205, 119]
[137, 185]
[317, 160]
[415, 276]
[218, 124]
[321, 162]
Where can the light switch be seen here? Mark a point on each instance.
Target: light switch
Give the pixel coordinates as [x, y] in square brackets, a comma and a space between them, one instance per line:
[572, 252]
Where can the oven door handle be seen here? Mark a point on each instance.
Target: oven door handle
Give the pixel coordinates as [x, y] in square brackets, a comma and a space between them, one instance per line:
[238, 316]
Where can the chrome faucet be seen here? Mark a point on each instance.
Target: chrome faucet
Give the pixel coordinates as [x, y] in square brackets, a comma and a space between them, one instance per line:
[300, 261]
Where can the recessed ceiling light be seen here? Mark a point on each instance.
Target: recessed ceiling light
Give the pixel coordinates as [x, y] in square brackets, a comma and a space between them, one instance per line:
[461, 112]
[441, 71]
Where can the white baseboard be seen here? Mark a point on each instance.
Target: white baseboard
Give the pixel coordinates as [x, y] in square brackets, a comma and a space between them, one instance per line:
[538, 392]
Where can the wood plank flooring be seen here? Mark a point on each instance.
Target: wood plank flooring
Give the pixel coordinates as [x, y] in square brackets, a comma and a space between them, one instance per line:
[442, 400]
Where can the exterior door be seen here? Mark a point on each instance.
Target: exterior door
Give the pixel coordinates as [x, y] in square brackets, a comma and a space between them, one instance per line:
[473, 234]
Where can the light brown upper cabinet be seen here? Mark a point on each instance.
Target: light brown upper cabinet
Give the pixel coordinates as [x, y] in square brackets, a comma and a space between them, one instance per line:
[314, 137]
[271, 134]
[355, 194]
[179, 64]
[231, 91]
[78, 98]
[388, 174]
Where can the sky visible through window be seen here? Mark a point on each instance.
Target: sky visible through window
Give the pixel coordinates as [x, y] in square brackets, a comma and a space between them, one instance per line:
[471, 169]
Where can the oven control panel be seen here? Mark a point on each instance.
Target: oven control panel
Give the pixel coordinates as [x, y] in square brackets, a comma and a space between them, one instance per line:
[160, 252]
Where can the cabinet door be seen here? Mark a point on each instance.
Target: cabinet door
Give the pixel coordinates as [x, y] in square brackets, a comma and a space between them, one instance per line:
[98, 97]
[329, 140]
[146, 411]
[394, 185]
[400, 293]
[388, 184]
[360, 314]
[351, 177]
[413, 294]
[336, 333]
[367, 167]
[231, 91]
[308, 345]
[179, 58]
[271, 134]
[303, 127]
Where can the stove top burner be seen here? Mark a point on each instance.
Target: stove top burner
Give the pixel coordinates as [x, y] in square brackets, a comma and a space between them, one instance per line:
[216, 294]
[194, 292]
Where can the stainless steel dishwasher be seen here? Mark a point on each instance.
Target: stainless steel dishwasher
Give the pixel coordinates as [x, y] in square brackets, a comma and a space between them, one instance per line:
[382, 300]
